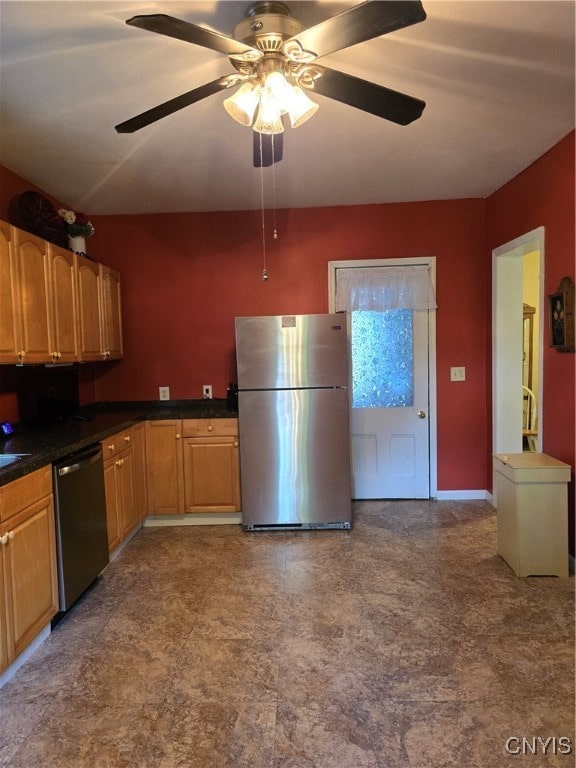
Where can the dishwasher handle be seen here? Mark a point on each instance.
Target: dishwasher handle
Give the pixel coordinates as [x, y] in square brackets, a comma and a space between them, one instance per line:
[84, 460]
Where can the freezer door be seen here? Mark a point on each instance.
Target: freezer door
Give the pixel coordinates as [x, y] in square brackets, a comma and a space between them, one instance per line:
[295, 457]
[292, 351]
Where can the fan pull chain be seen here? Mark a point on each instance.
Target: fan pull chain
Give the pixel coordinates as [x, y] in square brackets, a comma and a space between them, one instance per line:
[275, 230]
[264, 272]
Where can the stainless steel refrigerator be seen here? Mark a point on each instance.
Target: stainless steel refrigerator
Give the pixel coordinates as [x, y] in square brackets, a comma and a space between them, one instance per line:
[293, 422]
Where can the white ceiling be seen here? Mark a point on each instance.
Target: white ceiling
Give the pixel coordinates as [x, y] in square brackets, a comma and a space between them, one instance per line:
[497, 78]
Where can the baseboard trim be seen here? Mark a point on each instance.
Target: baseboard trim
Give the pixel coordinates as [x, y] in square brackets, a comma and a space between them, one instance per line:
[463, 495]
[9, 673]
[212, 518]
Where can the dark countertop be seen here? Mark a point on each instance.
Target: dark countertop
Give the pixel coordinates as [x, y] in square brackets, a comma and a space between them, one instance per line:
[48, 443]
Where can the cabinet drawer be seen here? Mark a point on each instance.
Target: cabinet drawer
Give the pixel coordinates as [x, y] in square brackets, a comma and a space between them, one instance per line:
[210, 427]
[25, 491]
[114, 444]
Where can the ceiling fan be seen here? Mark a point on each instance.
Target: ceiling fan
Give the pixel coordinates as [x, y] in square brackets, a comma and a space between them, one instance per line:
[274, 60]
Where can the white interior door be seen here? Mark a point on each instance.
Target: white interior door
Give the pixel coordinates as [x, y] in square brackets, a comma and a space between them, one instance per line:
[390, 402]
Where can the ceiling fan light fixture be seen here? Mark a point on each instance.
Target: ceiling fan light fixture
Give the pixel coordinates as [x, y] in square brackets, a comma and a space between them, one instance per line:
[301, 107]
[242, 105]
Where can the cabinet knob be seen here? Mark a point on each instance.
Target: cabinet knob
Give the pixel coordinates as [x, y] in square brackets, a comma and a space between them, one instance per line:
[111, 447]
[210, 428]
[4, 539]
[22, 355]
[235, 443]
[119, 463]
[178, 435]
[10, 535]
[127, 438]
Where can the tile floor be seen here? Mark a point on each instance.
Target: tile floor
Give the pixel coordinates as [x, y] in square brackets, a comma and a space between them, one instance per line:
[404, 643]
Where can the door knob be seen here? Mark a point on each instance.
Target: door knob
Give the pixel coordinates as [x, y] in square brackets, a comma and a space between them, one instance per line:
[421, 415]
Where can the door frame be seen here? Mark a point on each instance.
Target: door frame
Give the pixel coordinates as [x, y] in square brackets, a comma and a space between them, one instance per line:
[507, 269]
[430, 262]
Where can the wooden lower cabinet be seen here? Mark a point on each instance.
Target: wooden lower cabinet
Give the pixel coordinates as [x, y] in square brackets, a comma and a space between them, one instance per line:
[165, 475]
[139, 470]
[119, 482]
[193, 466]
[28, 570]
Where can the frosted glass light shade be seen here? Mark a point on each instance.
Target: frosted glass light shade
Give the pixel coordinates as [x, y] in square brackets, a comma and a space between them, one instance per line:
[242, 104]
[301, 108]
[268, 126]
[269, 119]
[280, 90]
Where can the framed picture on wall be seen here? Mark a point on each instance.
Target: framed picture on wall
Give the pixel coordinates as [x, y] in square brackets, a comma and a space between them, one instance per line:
[561, 316]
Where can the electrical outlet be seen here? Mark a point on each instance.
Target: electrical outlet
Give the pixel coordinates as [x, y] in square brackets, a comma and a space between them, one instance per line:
[207, 391]
[458, 373]
[164, 393]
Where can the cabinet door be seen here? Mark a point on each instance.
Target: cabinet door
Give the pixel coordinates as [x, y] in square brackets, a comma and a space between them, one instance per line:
[110, 313]
[139, 469]
[211, 477]
[88, 310]
[125, 490]
[63, 289]
[112, 511]
[165, 472]
[10, 330]
[32, 253]
[30, 572]
[4, 655]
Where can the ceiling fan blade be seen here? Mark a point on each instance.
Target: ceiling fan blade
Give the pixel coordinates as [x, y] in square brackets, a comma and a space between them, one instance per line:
[189, 33]
[173, 105]
[369, 97]
[357, 24]
[268, 148]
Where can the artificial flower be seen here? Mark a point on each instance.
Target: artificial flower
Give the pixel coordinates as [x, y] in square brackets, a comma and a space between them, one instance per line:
[77, 224]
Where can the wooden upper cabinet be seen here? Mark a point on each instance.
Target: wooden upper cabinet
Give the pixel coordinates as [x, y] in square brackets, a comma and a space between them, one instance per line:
[33, 269]
[10, 318]
[55, 306]
[110, 313]
[64, 300]
[88, 310]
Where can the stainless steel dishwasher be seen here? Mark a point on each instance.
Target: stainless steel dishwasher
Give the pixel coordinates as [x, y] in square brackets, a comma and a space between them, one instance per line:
[81, 530]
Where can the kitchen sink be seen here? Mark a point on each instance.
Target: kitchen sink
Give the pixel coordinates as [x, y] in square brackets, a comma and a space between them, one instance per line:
[10, 458]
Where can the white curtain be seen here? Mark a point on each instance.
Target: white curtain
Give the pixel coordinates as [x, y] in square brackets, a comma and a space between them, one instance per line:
[382, 288]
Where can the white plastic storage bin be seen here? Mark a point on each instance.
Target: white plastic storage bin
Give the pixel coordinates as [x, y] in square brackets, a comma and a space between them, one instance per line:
[532, 513]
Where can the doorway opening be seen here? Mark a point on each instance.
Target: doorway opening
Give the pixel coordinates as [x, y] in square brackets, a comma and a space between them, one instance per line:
[517, 342]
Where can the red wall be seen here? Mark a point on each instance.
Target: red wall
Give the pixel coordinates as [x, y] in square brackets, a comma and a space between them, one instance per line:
[186, 276]
[543, 195]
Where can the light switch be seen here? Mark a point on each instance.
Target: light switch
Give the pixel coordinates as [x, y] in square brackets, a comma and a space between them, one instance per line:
[458, 373]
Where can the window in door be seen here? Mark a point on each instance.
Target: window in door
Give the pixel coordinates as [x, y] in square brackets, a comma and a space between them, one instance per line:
[382, 359]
